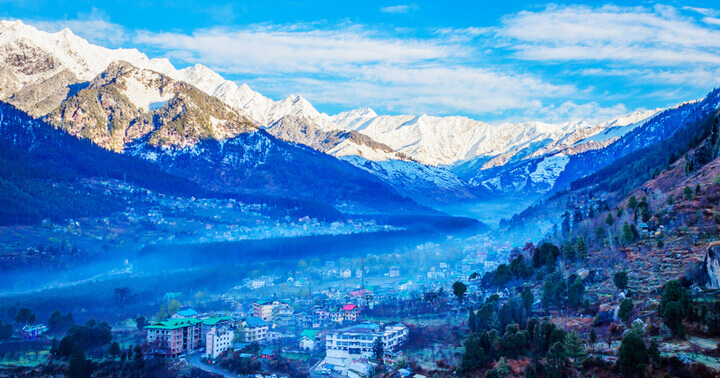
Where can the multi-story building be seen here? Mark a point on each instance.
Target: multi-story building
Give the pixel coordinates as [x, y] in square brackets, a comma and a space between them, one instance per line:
[174, 336]
[282, 314]
[320, 318]
[264, 309]
[254, 330]
[347, 313]
[358, 341]
[394, 271]
[209, 323]
[218, 341]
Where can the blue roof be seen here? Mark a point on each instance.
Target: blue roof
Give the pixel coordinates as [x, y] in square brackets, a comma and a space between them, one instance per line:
[255, 322]
[188, 312]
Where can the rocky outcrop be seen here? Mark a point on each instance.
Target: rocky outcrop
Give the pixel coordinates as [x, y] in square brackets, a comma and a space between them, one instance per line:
[712, 265]
[39, 99]
[125, 103]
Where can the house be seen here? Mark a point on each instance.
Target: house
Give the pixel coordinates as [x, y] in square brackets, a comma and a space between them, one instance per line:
[254, 330]
[209, 323]
[282, 314]
[264, 309]
[309, 339]
[362, 297]
[174, 336]
[189, 313]
[394, 271]
[350, 312]
[218, 341]
[307, 343]
[345, 273]
[320, 318]
[30, 332]
[358, 341]
[268, 354]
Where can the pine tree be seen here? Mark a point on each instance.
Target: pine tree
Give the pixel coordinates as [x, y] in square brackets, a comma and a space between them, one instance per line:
[502, 367]
[379, 349]
[593, 337]
[78, 364]
[621, 280]
[625, 310]
[609, 219]
[494, 321]
[574, 350]
[473, 357]
[581, 247]
[472, 321]
[528, 299]
[687, 192]
[114, 349]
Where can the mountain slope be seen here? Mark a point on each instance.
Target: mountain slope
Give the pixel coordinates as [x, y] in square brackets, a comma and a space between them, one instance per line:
[191, 134]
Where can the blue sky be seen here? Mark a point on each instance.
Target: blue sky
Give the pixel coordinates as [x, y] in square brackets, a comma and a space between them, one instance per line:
[511, 61]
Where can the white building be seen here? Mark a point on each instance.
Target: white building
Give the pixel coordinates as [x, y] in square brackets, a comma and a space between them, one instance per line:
[359, 341]
[254, 330]
[394, 271]
[307, 343]
[264, 309]
[218, 341]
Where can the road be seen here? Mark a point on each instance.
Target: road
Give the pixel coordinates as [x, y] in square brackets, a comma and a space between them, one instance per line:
[194, 360]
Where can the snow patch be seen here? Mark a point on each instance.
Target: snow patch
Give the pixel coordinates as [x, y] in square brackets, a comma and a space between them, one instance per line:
[549, 169]
[143, 96]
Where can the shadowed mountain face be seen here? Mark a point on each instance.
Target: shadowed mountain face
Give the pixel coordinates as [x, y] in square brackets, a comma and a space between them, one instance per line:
[188, 133]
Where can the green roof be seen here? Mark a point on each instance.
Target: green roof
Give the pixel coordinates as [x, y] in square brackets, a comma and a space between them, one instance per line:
[174, 323]
[310, 333]
[213, 321]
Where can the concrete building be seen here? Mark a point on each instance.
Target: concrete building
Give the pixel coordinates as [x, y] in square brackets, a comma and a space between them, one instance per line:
[218, 341]
[394, 271]
[282, 314]
[174, 336]
[209, 323]
[189, 313]
[254, 330]
[264, 309]
[31, 332]
[309, 339]
[358, 341]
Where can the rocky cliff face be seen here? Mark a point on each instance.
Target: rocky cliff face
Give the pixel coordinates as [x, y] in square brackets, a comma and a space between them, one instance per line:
[126, 103]
[712, 265]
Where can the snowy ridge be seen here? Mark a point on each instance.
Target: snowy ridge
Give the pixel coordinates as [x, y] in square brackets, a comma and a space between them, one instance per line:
[60, 51]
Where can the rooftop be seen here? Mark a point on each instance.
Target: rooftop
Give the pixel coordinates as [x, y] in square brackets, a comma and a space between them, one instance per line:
[174, 323]
[310, 333]
[213, 321]
[255, 322]
[187, 313]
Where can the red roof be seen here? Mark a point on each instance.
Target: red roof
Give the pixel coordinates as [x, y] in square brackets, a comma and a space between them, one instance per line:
[349, 307]
[360, 292]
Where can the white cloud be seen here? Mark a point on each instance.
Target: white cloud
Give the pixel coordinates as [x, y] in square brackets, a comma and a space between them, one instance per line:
[94, 26]
[294, 48]
[703, 11]
[660, 36]
[591, 112]
[352, 66]
[399, 8]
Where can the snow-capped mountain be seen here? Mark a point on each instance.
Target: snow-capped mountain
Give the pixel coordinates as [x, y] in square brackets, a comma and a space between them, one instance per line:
[425, 184]
[456, 140]
[46, 72]
[31, 56]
